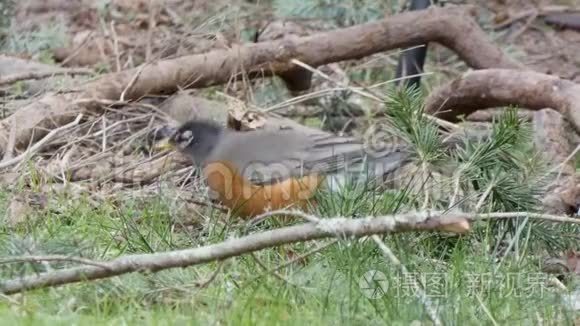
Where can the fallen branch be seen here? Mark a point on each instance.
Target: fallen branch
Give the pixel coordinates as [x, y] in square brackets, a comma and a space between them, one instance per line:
[10, 79]
[451, 26]
[489, 88]
[326, 228]
[339, 227]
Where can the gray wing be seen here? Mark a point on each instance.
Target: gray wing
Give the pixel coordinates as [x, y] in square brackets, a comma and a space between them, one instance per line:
[351, 158]
[266, 157]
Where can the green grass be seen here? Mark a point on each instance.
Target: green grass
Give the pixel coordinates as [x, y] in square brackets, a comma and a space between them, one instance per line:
[37, 42]
[324, 290]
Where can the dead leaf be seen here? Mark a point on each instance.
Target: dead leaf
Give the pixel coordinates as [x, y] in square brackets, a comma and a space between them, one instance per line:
[239, 118]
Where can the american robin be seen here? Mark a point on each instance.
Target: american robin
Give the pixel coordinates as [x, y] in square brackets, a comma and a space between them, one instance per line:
[252, 172]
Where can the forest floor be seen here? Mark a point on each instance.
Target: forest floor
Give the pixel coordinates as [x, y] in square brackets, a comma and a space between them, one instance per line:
[468, 279]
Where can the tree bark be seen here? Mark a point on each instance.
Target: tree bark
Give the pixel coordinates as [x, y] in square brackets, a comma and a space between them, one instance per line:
[451, 26]
[490, 88]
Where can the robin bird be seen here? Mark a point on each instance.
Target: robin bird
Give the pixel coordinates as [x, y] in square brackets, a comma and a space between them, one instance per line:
[252, 172]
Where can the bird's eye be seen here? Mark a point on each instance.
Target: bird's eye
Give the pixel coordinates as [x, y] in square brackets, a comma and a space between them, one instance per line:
[186, 138]
[187, 134]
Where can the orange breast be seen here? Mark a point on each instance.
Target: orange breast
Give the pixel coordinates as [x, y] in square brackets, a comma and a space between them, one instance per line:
[248, 199]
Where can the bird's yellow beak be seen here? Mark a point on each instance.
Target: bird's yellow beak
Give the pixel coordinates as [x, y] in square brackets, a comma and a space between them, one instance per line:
[160, 138]
[163, 145]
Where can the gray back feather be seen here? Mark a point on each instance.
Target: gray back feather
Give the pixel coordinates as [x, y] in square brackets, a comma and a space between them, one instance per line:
[268, 156]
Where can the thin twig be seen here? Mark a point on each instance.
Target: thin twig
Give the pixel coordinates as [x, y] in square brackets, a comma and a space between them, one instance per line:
[534, 12]
[322, 92]
[561, 165]
[429, 307]
[132, 82]
[9, 152]
[262, 217]
[325, 76]
[77, 49]
[265, 268]
[296, 213]
[484, 196]
[365, 92]
[557, 283]
[38, 145]
[513, 241]
[537, 216]
[10, 79]
[527, 25]
[104, 138]
[116, 47]
[212, 277]
[456, 183]
[207, 203]
[152, 23]
[487, 312]
[425, 176]
[59, 258]
[301, 257]
[9, 299]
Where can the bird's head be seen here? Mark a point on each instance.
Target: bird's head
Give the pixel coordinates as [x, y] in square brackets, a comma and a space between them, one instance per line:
[196, 139]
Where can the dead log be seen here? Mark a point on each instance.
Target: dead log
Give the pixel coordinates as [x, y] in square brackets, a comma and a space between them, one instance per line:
[452, 27]
[298, 79]
[552, 139]
[494, 114]
[491, 88]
